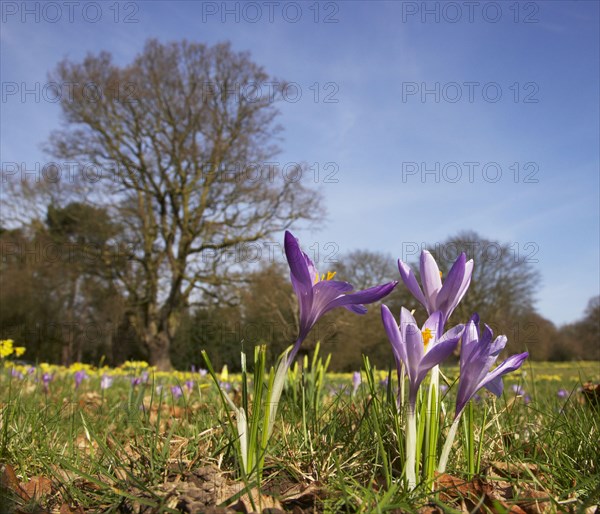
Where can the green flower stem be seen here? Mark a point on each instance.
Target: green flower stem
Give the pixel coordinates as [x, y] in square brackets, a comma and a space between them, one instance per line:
[448, 444]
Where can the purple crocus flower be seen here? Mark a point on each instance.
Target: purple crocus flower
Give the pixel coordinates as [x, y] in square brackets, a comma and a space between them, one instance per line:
[135, 381]
[106, 381]
[517, 389]
[318, 294]
[478, 354]
[80, 376]
[356, 380]
[17, 374]
[436, 296]
[176, 391]
[419, 350]
[46, 379]
[189, 384]
[562, 393]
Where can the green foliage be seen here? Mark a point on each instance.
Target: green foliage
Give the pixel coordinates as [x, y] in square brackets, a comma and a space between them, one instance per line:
[110, 451]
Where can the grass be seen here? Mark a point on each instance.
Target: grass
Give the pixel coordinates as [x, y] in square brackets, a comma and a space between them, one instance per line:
[144, 448]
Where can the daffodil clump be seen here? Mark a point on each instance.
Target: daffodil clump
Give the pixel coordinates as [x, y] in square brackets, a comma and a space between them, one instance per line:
[7, 349]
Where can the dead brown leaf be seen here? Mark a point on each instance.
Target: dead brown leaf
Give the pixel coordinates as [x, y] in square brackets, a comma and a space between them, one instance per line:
[67, 509]
[591, 393]
[37, 487]
[10, 482]
[473, 494]
[90, 401]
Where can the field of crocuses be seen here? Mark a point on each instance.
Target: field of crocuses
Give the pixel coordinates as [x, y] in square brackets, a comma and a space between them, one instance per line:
[424, 435]
[131, 439]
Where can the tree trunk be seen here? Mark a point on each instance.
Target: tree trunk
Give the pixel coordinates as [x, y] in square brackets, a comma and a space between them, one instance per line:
[158, 350]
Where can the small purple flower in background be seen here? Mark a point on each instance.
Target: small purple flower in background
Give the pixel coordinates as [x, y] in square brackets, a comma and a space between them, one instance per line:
[46, 379]
[517, 389]
[145, 376]
[136, 381]
[176, 391]
[80, 376]
[356, 381]
[189, 384]
[106, 381]
[225, 385]
[436, 296]
[443, 388]
[203, 372]
[527, 399]
[318, 294]
[17, 374]
[562, 393]
[30, 370]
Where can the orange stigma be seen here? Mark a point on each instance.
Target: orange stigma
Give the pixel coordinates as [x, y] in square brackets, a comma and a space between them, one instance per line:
[427, 336]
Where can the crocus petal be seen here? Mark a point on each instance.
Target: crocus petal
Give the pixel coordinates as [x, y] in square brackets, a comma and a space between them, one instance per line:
[357, 309]
[441, 351]
[454, 333]
[413, 339]
[373, 294]
[469, 341]
[431, 280]
[297, 261]
[435, 324]
[498, 345]
[410, 281]
[513, 363]
[393, 334]
[466, 281]
[324, 295]
[495, 386]
[452, 284]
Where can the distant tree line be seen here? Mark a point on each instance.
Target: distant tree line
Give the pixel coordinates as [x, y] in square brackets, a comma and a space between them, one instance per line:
[57, 299]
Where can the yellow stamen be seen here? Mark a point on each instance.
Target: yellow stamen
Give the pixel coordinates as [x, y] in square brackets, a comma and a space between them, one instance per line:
[324, 276]
[427, 336]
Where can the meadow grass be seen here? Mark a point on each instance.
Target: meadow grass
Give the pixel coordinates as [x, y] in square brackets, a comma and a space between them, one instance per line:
[137, 445]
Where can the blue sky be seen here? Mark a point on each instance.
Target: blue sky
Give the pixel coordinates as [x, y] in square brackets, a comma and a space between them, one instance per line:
[376, 59]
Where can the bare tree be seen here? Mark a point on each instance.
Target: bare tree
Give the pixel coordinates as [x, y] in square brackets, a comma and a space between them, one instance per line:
[363, 268]
[176, 144]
